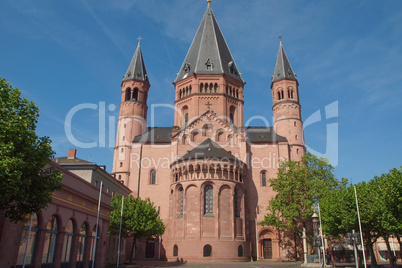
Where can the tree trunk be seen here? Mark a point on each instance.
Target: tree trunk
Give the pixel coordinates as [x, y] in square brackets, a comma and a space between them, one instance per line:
[132, 255]
[390, 252]
[399, 241]
[369, 246]
[295, 237]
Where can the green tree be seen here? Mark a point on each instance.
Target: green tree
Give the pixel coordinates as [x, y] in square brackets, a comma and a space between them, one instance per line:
[298, 186]
[140, 219]
[339, 213]
[26, 185]
[389, 186]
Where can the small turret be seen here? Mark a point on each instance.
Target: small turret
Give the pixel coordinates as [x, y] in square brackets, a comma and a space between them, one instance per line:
[133, 113]
[286, 105]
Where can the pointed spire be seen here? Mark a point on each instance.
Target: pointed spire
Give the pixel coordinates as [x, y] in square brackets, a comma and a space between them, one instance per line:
[136, 70]
[283, 69]
[209, 53]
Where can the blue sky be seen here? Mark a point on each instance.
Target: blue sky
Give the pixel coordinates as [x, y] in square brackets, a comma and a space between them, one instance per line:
[347, 56]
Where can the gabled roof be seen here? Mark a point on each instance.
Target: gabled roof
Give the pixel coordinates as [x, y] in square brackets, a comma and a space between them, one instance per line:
[263, 135]
[208, 149]
[71, 161]
[209, 53]
[155, 135]
[136, 70]
[282, 67]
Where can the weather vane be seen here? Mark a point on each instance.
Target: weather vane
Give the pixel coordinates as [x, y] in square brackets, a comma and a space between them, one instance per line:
[280, 37]
[139, 39]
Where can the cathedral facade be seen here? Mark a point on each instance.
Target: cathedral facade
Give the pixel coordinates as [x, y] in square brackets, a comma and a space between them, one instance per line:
[208, 173]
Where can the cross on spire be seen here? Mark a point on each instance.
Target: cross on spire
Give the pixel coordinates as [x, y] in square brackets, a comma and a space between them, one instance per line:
[209, 105]
[280, 37]
[139, 39]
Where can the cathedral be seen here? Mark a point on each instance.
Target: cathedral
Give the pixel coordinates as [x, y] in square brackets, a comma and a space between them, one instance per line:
[208, 174]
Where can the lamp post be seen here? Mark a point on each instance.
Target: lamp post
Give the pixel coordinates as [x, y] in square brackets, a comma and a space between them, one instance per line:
[354, 240]
[316, 238]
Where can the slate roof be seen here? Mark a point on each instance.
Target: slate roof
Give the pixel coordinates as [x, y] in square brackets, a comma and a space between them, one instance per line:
[155, 135]
[263, 135]
[136, 70]
[209, 48]
[282, 67]
[208, 149]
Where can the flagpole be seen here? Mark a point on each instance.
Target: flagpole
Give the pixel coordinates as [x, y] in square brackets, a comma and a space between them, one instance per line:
[360, 226]
[97, 225]
[121, 219]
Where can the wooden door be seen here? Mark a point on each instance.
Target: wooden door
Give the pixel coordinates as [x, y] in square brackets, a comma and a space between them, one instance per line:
[150, 249]
[267, 248]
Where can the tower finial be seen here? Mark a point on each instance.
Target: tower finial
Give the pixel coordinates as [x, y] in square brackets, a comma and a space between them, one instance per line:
[139, 39]
[209, 2]
[280, 38]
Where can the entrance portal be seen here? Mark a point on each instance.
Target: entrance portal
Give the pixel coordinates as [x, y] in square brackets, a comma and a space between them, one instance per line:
[150, 249]
[267, 248]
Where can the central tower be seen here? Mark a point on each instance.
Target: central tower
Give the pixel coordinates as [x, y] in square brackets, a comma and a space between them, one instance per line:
[209, 78]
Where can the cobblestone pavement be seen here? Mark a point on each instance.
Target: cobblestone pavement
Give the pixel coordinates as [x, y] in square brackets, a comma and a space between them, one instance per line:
[257, 264]
[146, 264]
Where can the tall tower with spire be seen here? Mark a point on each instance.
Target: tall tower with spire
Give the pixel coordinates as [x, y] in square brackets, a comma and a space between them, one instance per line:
[286, 105]
[133, 113]
[208, 78]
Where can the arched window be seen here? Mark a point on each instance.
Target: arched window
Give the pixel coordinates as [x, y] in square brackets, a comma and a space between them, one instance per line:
[232, 114]
[128, 94]
[237, 93]
[91, 254]
[181, 201]
[219, 135]
[227, 89]
[201, 87]
[211, 87]
[230, 91]
[190, 90]
[68, 241]
[135, 94]
[205, 129]
[121, 164]
[295, 137]
[184, 140]
[153, 177]
[216, 88]
[208, 200]
[184, 111]
[282, 94]
[289, 93]
[175, 251]
[279, 95]
[24, 241]
[194, 135]
[180, 94]
[236, 204]
[206, 87]
[240, 251]
[81, 243]
[263, 178]
[207, 252]
[50, 240]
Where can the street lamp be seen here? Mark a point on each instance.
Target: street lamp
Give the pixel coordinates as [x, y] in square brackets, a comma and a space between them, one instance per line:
[354, 240]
